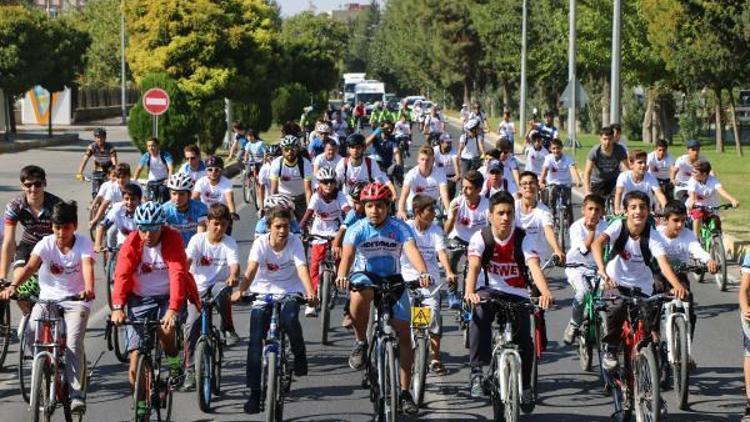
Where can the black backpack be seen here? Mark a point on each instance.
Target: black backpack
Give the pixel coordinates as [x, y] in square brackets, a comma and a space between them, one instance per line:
[368, 164]
[619, 244]
[489, 246]
[300, 165]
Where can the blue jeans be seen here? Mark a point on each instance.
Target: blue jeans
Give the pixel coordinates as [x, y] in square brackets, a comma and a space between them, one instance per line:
[260, 318]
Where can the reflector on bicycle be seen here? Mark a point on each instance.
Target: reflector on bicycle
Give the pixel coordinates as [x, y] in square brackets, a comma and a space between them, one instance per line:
[421, 316]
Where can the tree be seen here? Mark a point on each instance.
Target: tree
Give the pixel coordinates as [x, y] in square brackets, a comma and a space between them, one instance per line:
[361, 32]
[288, 101]
[99, 18]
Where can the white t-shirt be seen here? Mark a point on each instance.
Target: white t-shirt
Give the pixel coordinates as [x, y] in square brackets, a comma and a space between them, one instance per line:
[291, 182]
[429, 243]
[277, 271]
[152, 277]
[506, 129]
[659, 168]
[533, 223]
[62, 275]
[358, 174]
[705, 193]
[558, 171]
[503, 273]
[211, 194]
[434, 124]
[194, 174]
[685, 168]
[157, 170]
[578, 234]
[535, 159]
[401, 128]
[628, 268]
[113, 194]
[682, 247]
[320, 161]
[327, 216]
[264, 176]
[647, 185]
[445, 161]
[469, 220]
[210, 262]
[509, 165]
[424, 185]
[105, 187]
[125, 224]
[471, 147]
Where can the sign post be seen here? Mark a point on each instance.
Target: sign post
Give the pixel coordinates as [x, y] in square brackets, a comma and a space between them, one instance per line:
[156, 103]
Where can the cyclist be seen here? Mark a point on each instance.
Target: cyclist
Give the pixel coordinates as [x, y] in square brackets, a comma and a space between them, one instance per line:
[447, 160]
[417, 113]
[253, 153]
[536, 154]
[113, 193]
[326, 210]
[264, 174]
[65, 262]
[559, 170]
[582, 235]
[276, 265]
[470, 146]
[682, 170]
[384, 145]
[510, 165]
[291, 175]
[193, 166]
[358, 168]
[33, 210]
[359, 114]
[634, 243]
[356, 213]
[745, 321]
[548, 129]
[494, 180]
[637, 178]
[152, 278]
[464, 113]
[467, 215]
[429, 239]
[433, 127]
[120, 217]
[339, 127]
[372, 248]
[506, 129]
[660, 163]
[702, 189]
[238, 143]
[424, 179]
[378, 114]
[603, 164]
[276, 201]
[187, 216]
[213, 259]
[319, 138]
[104, 155]
[535, 218]
[478, 114]
[328, 159]
[160, 167]
[504, 271]
[214, 188]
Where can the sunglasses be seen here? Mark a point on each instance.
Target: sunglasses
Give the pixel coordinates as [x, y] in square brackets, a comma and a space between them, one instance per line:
[327, 182]
[212, 169]
[37, 184]
[149, 227]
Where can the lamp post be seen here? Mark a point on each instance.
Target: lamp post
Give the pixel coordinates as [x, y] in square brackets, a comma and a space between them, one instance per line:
[522, 116]
[123, 94]
[572, 74]
[614, 106]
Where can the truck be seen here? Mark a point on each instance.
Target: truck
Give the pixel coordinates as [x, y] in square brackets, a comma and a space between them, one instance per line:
[369, 92]
[350, 82]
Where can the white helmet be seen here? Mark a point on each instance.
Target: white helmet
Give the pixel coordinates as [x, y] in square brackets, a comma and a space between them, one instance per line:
[180, 182]
[471, 124]
[289, 141]
[323, 128]
[278, 200]
[325, 173]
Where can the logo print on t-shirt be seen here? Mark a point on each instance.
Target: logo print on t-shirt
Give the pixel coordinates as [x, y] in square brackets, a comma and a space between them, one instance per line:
[323, 215]
[419, 189]
[56, 269]
[285, 178]
[271, 266]
[625, 255]
[146, 268]
[654, 169]
[206, 260]
[464, 221]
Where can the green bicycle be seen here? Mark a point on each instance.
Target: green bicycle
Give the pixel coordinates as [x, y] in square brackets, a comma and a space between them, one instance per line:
[712, 240]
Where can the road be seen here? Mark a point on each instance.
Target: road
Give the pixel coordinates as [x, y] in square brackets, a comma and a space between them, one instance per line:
[331, 390]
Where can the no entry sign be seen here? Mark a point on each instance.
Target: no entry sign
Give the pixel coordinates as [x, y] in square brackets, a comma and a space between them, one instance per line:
[156, 101]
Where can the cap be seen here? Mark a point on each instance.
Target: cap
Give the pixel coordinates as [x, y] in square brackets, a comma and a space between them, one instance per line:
[494, 165]
[693, 143]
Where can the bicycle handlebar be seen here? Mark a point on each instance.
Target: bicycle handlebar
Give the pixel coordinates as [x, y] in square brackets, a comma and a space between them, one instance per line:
[712, 208]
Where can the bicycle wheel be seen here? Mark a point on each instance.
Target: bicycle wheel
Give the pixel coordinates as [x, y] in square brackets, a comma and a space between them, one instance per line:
[325, 310]
[142, 390]
[92, 214]
[121, 339]
[720, 256]
[111, 276]
[217, 357]
[272, 387]
[40, 396]
[419, 379]
[254, 192]
[371, 324]
[4, 330]
[391, 383]
[680, 364]
[203, 375]
[25, 363]
[245, 186]
[511, 402]
[646, 394]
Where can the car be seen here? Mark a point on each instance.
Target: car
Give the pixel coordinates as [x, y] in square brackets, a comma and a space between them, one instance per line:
[412, 98]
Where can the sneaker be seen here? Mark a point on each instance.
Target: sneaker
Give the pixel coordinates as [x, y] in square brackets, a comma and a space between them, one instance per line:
[454, 301]
[300, 366]
[77, 405]
[357, 357]
[347, 322]
[476, 387]
[528, 401]
[231, 338]
[175, 369]
[252, 405]
[311, 312]
[609, 360]
[571, 331]
[189, 382]
[408, 407]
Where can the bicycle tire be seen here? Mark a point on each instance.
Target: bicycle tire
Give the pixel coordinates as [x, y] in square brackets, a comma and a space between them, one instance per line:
[272, 386]
[5, 330]
[203, 372]
[92, 214]
[254, 193]
[419, 379]
[720, 256]
[144, 382]
[217, 357]
[40, 396]
[245, 186]
[25, 364]
[466, 337]
[121, 341]
[680, 365]
[326, 278]
[371, 324]
[111, 276]
[511, 403]
[646, 389]
[391, 383]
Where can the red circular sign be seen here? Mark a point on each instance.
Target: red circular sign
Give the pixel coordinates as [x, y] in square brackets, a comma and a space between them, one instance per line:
[156, 101]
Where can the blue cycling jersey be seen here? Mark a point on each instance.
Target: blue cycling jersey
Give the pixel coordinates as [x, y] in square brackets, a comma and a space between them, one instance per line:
[261, 227]
[316, 147]
[186, 222]
[352, 217]
[378, 249]
[256, 150]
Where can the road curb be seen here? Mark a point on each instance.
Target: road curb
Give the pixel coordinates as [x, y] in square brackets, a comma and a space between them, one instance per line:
[18, 146]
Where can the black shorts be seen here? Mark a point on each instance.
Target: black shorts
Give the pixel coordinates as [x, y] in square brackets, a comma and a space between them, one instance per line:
[23, 253]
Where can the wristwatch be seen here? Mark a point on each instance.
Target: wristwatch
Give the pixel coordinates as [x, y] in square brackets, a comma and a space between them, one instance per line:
[117, 307]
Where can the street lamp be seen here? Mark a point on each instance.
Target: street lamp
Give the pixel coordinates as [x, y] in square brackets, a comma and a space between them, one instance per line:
[614, 107]
[522, 123]
[123, 95]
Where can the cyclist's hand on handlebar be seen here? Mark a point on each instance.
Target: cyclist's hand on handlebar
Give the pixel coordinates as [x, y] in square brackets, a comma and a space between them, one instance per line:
[609, 284]
[236, 296]
[401, 215]
[235, 216]
[88, 295]
[451, 278]
[735, 204]
[231, 281]
[425, 280]
[312, 299]
[342, 282]
[679, 292]
[712, 267]
[79, 177]
[7, 292]
[560, 258]
[117, 317]
[546, 300]
[472, 298]
[170, 320]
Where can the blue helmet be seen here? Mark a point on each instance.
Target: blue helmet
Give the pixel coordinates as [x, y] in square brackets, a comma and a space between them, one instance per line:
[150, 214]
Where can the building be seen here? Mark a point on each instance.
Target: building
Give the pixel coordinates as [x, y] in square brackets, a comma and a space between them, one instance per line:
[348, 11]
[52, 7]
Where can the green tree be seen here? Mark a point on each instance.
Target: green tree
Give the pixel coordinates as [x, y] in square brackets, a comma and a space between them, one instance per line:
[22, 49]
[361, 32]
[101, 20]
[288, 101]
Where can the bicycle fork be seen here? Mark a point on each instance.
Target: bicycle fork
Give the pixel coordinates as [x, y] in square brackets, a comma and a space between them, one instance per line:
[671, 315]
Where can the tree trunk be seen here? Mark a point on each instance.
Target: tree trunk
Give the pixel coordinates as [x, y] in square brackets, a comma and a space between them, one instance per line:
[735, 129]
[666, 112]
[506, 96]
[12, 114]
[467, 92]
[49, 116]
[648, 116]
[719, 126]
[605, 102]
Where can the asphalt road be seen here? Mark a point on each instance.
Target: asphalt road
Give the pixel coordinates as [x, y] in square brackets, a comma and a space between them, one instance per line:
[331, 390]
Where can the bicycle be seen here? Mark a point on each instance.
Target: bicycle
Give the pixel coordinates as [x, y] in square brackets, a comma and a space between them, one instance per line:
[250, 185]
[49, 386]
[463, 316]
[327, 291]
[421, 317]
[209, 354]
[561, 213]
[155, 190]
[152, 390]
[6, 329]
[635, 385]
[25, 356]
[712, 240]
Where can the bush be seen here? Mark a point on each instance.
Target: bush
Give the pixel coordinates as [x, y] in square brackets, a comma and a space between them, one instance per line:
[689, 121]
[288, 102]
[212, 126]
[633, 109]
[255, 115]
[177, 127]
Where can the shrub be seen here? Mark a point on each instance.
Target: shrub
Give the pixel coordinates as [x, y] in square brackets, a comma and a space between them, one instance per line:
[288, 102]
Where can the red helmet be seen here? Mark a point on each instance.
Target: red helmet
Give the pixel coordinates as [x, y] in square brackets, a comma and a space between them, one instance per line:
[375, 191]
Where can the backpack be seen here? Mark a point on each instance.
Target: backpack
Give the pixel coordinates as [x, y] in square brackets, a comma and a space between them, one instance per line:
[368, 164]
[489, 246]
[619, 244]
[300, 165]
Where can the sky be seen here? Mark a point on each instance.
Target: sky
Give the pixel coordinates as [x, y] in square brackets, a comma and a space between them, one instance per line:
[292, 7]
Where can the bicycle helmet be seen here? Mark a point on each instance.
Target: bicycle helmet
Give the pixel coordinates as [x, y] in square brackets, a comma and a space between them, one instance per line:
[149, 214]
[356, 190]
[323, 128]
[446, 137]
[375, 191]
[273, 150]
[471, 124]
[355, 140]
[325, 173]
[100, 132]
[214, 161]
[180, 182]
[289, 141]
[278, 200]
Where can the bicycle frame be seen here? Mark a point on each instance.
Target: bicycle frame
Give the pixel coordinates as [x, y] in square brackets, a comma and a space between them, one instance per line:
[710, 227]
[673, 309]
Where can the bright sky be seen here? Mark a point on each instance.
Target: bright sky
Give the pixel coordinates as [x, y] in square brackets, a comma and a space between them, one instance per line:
[292, 7]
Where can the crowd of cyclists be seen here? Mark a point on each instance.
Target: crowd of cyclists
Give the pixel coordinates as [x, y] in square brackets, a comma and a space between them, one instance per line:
[470, 217]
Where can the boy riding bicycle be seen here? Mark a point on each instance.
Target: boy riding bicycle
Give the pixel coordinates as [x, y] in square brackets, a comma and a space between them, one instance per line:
[702, 189]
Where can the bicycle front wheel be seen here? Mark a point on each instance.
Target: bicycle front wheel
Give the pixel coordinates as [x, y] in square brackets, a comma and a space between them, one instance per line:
[25, 363]
[217, 358]
[121, 341]
[111, 276]
[272, 387]
[253, 187]
[325, 309]
[680, 364]
[719, 255]
[40, 395]
[4, 330]
[391, 383]
[647, 394]
[511, 402]
[245, 187]
[419, 379]
[203, 375]
[143, 390]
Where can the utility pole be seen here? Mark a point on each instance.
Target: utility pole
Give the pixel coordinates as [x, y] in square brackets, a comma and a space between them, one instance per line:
[123, 94]
[572, 75]
[614, 106]
[522, 112]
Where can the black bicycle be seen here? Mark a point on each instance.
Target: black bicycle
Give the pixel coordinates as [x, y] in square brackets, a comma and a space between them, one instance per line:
[327, 291]
[209, 354]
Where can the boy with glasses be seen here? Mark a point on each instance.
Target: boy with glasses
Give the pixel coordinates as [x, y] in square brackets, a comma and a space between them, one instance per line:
[291, 175]
[214, 188]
